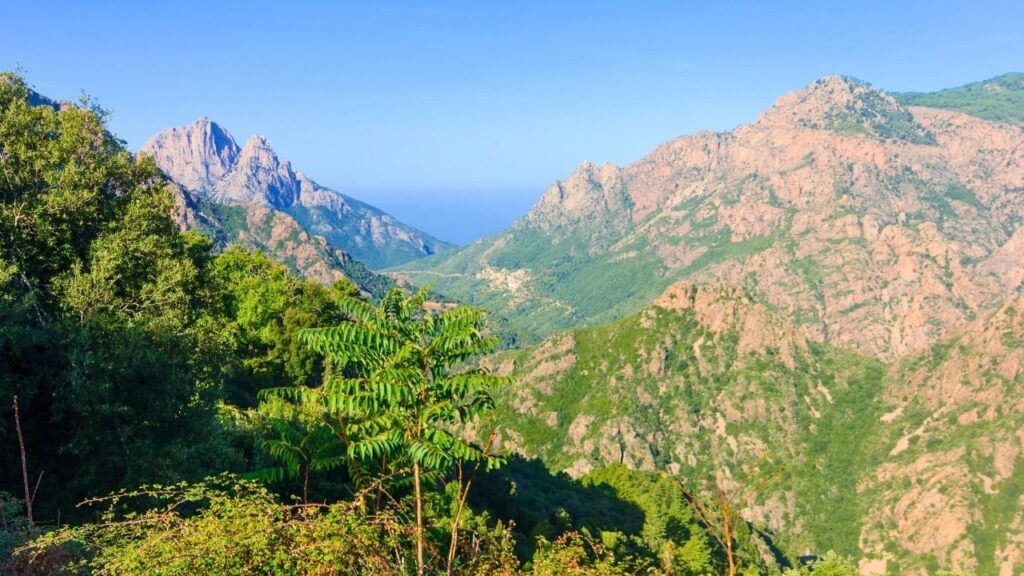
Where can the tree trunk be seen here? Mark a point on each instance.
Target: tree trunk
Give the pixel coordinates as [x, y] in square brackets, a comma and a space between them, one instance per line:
[24, 465]
[305, 484]
[727, 532]
[419, 519]
[462, 495]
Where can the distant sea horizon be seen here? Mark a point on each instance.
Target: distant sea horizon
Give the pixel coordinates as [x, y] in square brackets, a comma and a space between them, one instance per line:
[459, 216]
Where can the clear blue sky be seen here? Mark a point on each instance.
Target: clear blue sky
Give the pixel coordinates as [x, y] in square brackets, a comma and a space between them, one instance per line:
[423, 107]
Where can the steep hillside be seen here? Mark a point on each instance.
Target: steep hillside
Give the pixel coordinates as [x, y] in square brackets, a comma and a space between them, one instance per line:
[951, 488]
[279, 235]
[912, 468]
[1000, 99]
[204, 158]
[876, 226]
[710, 385]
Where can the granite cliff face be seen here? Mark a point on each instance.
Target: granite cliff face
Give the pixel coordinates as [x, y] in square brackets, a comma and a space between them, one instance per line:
[950, 480]
[877, 226]
[204, 158]
[196, 156]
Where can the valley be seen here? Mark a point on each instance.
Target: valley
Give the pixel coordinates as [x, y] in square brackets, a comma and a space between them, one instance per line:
[813, 322]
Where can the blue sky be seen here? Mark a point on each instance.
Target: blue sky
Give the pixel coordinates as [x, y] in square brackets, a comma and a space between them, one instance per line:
[457, 115]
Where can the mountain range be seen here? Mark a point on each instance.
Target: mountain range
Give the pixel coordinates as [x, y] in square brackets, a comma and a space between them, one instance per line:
[205, 161]
[876, 225]
[831, 293]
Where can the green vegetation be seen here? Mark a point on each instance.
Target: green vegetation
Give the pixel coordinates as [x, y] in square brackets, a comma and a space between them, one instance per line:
[571, 281]
[720, 247]
[1000, 99]
[879, 117]
[105, 322]
[399, 392]
[568, 283]
[144, 361]
[188, 406]
[822, 465]
[226, 223]
[873, 114]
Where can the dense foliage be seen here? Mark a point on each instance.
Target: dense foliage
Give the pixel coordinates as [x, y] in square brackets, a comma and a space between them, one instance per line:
[139, 354]
[1000, 99]
[103, 325]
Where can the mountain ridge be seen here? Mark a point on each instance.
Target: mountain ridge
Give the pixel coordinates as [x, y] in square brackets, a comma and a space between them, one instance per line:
[276, 233]
[1000, 98]
[205, 158]
[865, 219]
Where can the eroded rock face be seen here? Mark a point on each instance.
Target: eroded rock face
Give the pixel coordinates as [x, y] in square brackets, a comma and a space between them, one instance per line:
[259, 176]
[204, 158]
[196, 156]
[949, 485]
[877, 239]
[589, 197]
[276, 233]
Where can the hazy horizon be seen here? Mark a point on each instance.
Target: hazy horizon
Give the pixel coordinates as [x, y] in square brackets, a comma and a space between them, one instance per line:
[459, 216]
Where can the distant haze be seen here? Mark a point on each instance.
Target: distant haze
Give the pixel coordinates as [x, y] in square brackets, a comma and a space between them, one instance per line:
[459, 216]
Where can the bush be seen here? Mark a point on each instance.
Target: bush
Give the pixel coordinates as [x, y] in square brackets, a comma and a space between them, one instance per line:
[223, 527]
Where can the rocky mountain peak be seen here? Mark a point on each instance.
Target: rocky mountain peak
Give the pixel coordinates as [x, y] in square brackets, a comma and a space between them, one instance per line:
[845, 105]
[196, 156]
[258, 142]
[204, 159]
[260, 176]
[589, 192]
[257, 152]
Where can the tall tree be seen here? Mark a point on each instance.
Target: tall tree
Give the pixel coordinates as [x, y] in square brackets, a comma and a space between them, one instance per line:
[103, 332]
[402, 386]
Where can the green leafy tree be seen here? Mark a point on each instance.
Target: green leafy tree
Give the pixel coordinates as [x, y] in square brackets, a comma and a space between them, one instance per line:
[670, 528]
[295, 435]
[260, 308]
[402, 386]
[111, 354]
